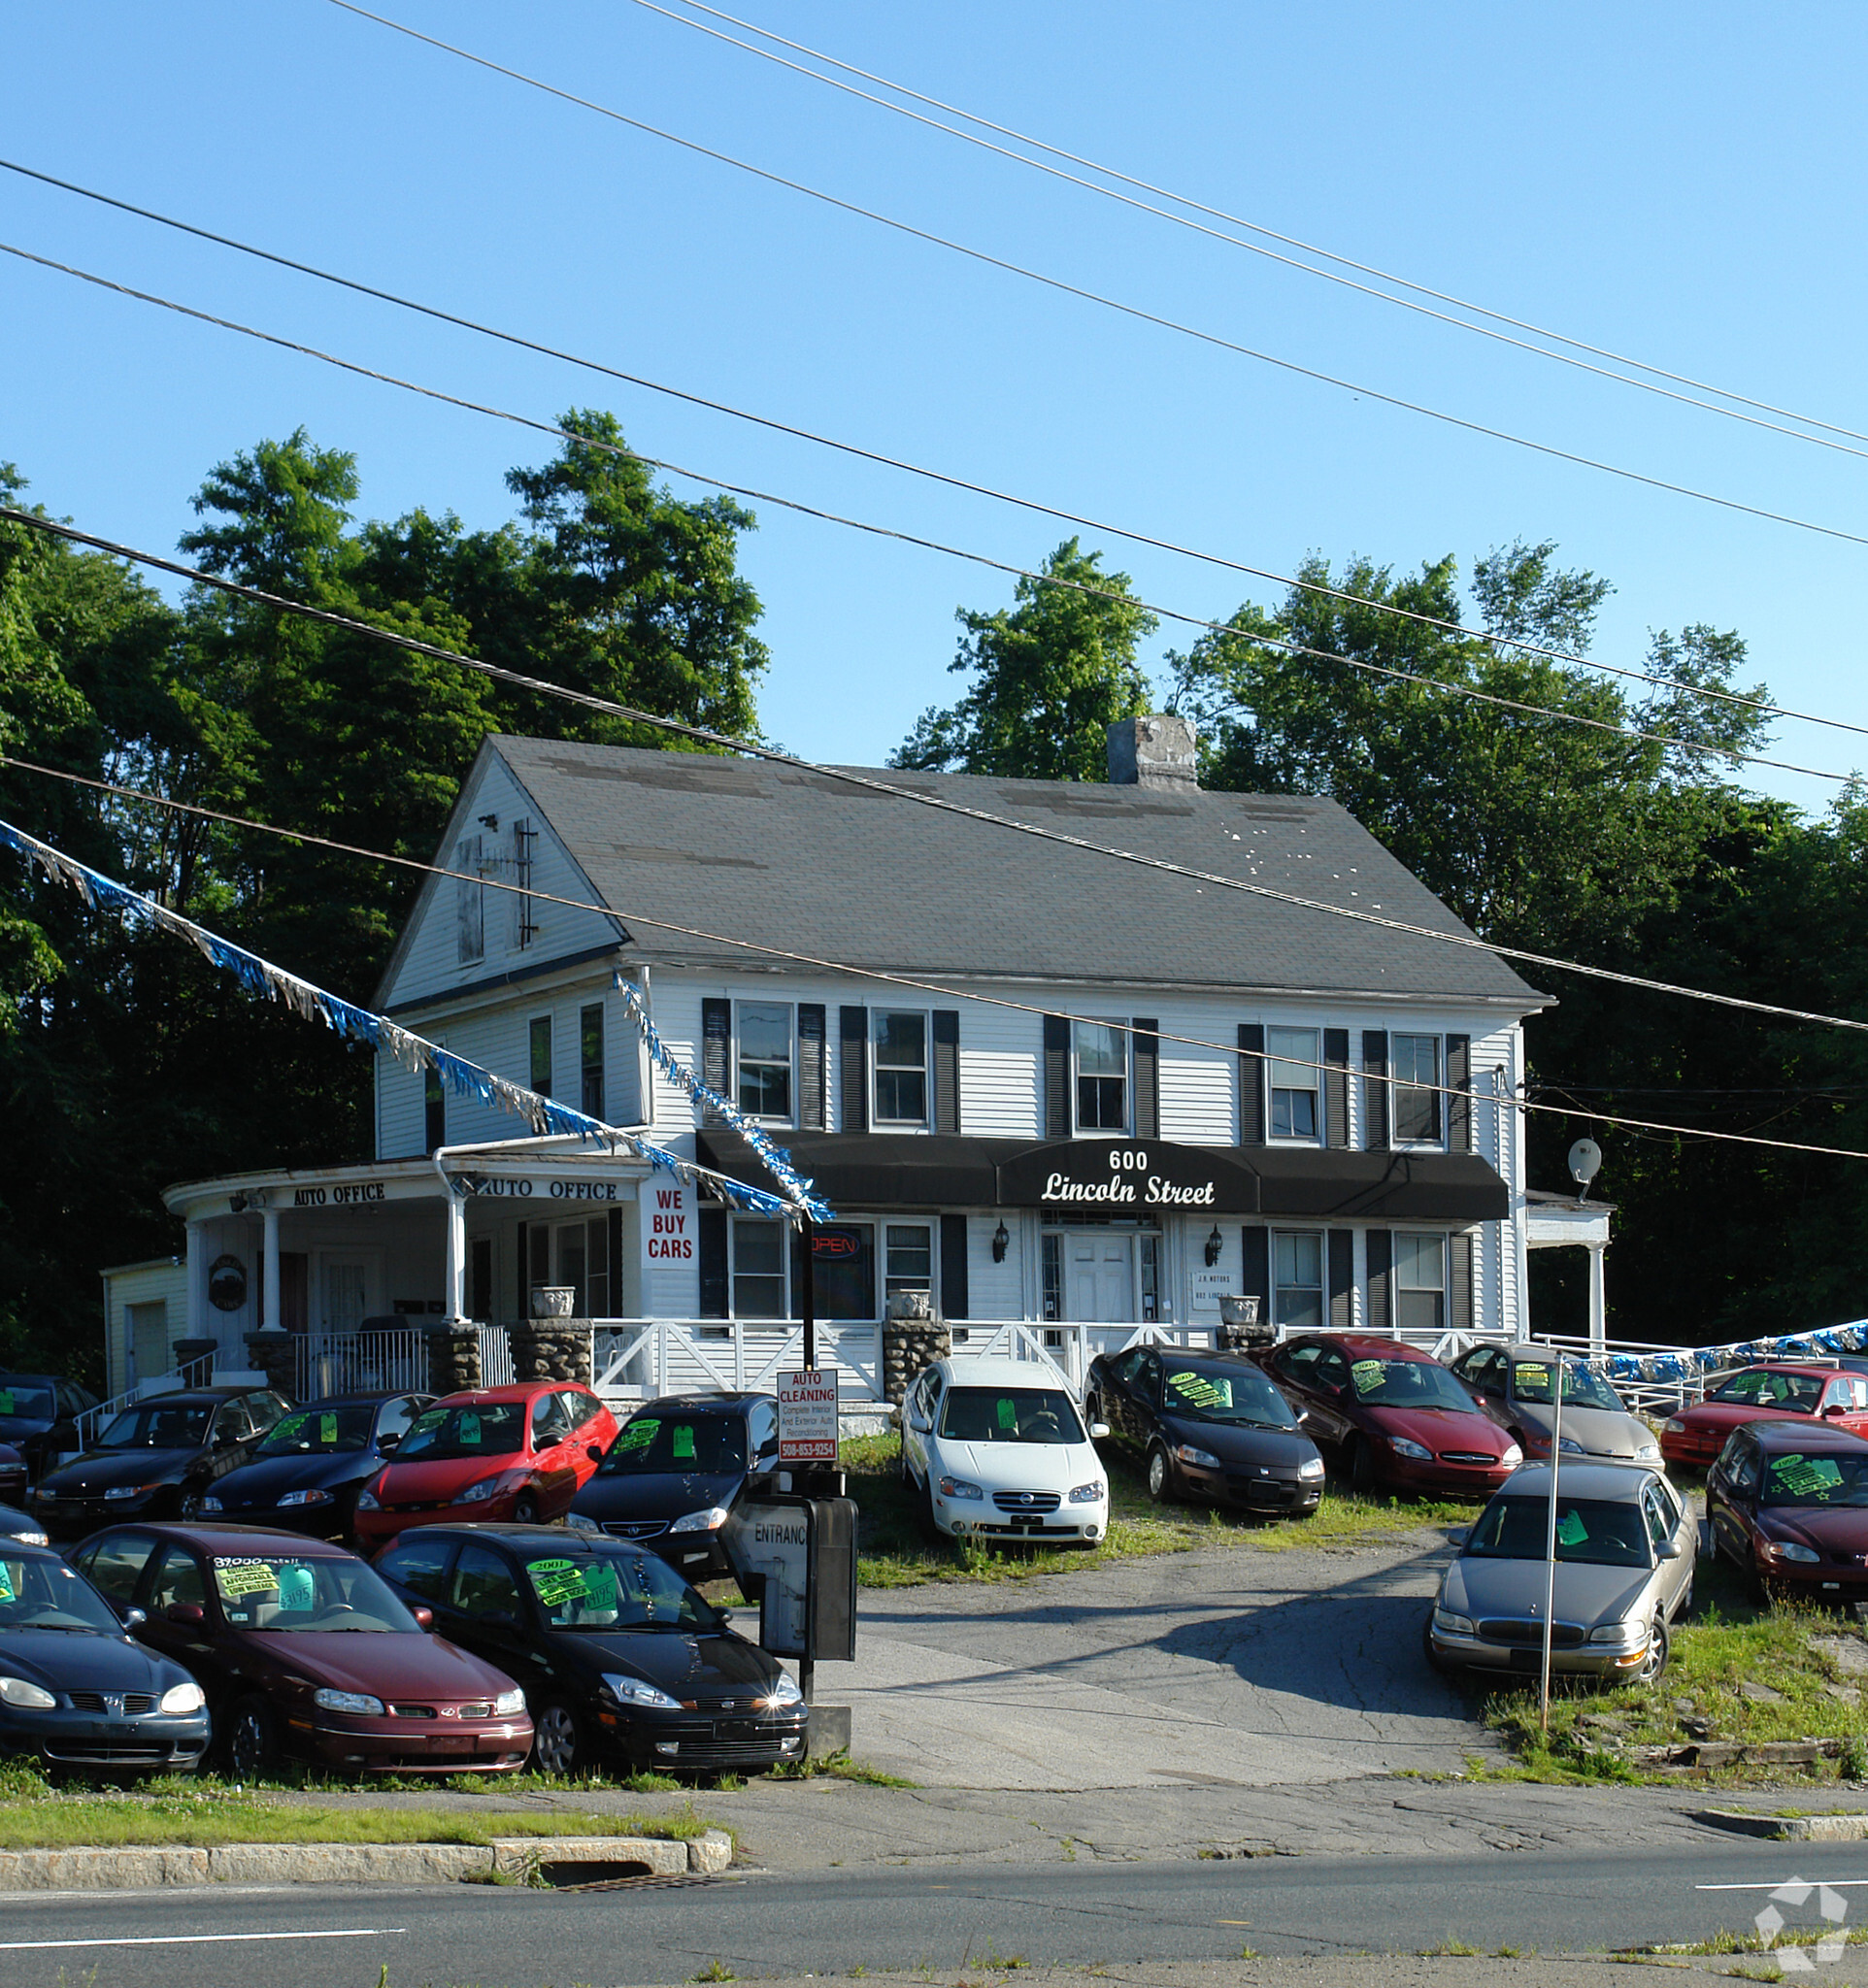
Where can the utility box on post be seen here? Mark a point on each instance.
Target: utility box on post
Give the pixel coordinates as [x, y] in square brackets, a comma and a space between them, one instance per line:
[799, 1554]
[833, 1580]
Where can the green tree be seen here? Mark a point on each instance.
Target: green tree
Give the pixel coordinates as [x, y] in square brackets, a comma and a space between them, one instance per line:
[1050, 675]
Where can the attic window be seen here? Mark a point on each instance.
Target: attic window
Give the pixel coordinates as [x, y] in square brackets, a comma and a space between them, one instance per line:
[470, 901]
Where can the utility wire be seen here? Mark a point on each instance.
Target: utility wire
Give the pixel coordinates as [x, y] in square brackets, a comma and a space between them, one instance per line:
[1037, 165]
[1255, 228]
[1440, 686]
[1134, 311]
[1499, 1101]
[921, 797]
[951, 481]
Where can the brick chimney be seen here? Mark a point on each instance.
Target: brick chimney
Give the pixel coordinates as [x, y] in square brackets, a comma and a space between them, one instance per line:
[1156, 751]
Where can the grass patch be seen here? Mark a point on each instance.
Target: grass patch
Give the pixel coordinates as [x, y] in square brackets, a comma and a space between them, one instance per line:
[892, 1550]
[837, 1767]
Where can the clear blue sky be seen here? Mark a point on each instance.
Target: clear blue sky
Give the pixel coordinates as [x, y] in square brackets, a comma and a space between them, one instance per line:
[1683, 184]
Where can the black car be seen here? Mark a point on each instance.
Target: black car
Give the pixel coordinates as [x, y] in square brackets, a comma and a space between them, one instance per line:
[619, 1655]
[1210, 1425]
[20, 1528]
[156, 1459]
[305, 1470]
[39, 1416]
[76, 1688]
[670, 1478]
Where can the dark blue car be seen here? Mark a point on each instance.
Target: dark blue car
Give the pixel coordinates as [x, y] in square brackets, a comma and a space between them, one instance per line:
[305, 1475]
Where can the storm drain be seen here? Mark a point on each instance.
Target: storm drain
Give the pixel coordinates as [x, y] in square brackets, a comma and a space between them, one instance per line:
[628, 1879]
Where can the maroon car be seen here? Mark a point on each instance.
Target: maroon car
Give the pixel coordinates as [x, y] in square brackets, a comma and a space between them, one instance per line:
[305, 1650]
[1781, 1390]
[1788, 1507]
[1394, 1414]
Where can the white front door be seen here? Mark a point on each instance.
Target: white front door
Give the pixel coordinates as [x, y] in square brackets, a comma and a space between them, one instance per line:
[1099, 1278]
[346, 1293]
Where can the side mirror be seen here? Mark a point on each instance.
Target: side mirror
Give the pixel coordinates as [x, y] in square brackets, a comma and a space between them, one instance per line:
[725, 1614]
[1670, 1550]
[424, 1616]
[1097, 1431]
[1458, 1535]
[188, 1614]
[1834, 1413]
[388, 1442]
[133, 1621]
[594, 1452]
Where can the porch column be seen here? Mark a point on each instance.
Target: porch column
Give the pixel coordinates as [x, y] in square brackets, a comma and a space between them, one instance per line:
[1598, 1306]
[269, 1317]
[454, 1292]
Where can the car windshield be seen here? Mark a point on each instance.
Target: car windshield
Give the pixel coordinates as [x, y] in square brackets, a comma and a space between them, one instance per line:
[1407, 1384]
[649, 1443]
[1839, 1479]
[21, 1398]
[152, 1426]
[306, 1593]
[1600, 1532]
[1011, 1414]
[622, 1591]
[1761, 1388]
[473, 1429]
[1224, 1394]
[44, 1594]
[1581, 1389]
[320, 1432]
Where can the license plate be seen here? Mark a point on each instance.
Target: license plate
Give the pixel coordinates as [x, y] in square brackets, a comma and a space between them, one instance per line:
[1527, 1660]
[452, 1742]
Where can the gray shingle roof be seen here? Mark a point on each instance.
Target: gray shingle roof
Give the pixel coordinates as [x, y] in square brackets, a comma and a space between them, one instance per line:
[802, 861]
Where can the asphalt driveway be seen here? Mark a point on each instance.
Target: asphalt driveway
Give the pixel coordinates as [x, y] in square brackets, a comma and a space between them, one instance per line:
[1233, 1668]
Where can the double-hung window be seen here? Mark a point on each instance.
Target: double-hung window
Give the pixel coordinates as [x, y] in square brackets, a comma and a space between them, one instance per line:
[763, 1089]
[900, 1043]
[1421, 1283]
[910, 1265]
[1297, 1274]
[1418, 1116]
[590, 1058]
[760, 1289]
[1294, 1060]
[1100, 1050]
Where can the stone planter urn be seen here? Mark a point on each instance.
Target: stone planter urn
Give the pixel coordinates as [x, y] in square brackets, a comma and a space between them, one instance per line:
[553, 1301]
[1239, 1324]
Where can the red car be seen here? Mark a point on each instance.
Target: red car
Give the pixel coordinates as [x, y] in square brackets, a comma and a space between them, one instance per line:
[520, 1453]
[302, 1650]
[1394, 1414]
[1788, 1507]
[1780, 1390]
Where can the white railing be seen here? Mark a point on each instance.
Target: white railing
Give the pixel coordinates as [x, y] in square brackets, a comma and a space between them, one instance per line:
[333, 1363]
[495, 1357]
[195, 1372]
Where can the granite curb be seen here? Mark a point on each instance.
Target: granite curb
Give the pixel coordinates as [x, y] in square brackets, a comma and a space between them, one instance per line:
[1851, 1828]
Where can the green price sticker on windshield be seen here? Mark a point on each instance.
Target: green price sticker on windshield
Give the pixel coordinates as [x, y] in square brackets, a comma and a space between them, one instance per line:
[327, 1428]
[7, 1590]
[1533, 1376]
[297, 1590]
[433, 1419]
[600, 1585]
[555, 1581]
[639, 1435]
[469, 1426]
[6, 1400]
[284, 1432]
[238, 1578]
[1008, 1412]
[1570, 1529]
[1202, 1390]
[1367, 1375]
[684, 1444]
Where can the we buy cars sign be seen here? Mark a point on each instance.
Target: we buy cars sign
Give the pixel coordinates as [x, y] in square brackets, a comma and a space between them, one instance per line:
[808, 1416]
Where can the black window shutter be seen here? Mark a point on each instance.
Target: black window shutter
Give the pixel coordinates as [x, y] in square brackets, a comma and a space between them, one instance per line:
[1336, 1086]
[1375, 1091]
[524, 1260]
[813, 1072]
[854, 1032]
[1342, 1274]
[1148, 1079]
[953, 1291]
[717, 1042]
[947, 1070]
[1459, 1306]
[1057, 1113]
[1459, 1094]
[1252, 1083]
[713, 1263]
[1380, 1247]
[615, 1264]
[1254, 1275]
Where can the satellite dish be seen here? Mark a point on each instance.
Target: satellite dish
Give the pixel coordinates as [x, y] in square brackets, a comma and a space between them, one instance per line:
[1585, 1163]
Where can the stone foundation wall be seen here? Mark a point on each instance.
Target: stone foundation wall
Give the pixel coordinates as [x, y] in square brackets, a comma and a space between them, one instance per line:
[453, 1359]
[551, 1349]
[908, 1346]
[275, 1355]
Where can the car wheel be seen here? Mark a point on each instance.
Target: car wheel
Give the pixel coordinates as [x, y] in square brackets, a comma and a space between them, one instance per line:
[558, 1740]
[187, 1504]
[1657, 1651]
[1160, 1475]
[525, 1509]
[925, 1508]
[1362, 1465]
[251, 1745]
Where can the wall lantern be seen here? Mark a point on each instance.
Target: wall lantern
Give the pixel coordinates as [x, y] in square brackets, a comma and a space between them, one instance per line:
[1001, 1243]
[1214, 1246]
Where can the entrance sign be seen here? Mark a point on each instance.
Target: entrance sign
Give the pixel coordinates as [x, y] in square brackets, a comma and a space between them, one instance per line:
[670, 1223]
[808, 1416]
[772, 1544]
[1128, 1176]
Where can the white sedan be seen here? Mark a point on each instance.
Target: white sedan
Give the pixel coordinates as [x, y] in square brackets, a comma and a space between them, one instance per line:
[996, 1450]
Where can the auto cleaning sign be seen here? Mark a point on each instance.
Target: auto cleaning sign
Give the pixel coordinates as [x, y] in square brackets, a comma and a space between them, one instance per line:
[808, 1416]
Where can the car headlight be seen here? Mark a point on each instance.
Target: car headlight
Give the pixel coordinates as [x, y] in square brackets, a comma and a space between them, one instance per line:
[1647, 1453]
[327, 1701]
[487, 1487]
[1403, 1445]
[783, 1692]
[121, 1491]
[1092, 1493]
[1570, 1446]
[1310, 1468]
[180, 1698]
[366, 1502]
[637, 1691]
[212, 1504]
[1513, 1456]
[31, 1538]
[1449, 1624]
[16, 1691]
[1623, 1635]
[1186, 1453]
[509, 1704]
[580, 1522]
[1673, 1426]
[302, 1497]
[709, 1521]
[1788, 1549]
[958, 1487]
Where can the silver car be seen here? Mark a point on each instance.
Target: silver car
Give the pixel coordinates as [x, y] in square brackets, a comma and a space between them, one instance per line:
[1512, 1385]
[1624, 1571]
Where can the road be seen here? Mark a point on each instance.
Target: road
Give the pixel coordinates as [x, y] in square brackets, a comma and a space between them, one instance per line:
[1118, 1914]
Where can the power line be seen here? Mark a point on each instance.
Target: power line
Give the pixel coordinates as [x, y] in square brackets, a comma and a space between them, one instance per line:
[1498, 1101]
[1441, 686]
[1255, 228]
[951, 481]
[1182, 220]
[1134, 311]
[853, 776]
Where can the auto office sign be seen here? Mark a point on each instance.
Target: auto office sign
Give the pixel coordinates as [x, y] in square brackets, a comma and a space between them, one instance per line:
[1126, 1176]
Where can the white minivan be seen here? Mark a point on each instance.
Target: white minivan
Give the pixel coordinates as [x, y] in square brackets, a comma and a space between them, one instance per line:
[996, 1450]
